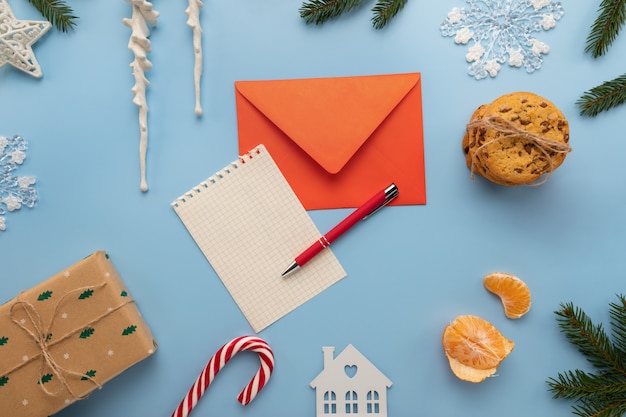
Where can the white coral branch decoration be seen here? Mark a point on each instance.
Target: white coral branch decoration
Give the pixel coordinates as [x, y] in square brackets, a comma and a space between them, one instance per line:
[139, 44]
[193, 21]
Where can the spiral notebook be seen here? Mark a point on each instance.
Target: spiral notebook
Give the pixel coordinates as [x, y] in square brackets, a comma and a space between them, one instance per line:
[250, 225]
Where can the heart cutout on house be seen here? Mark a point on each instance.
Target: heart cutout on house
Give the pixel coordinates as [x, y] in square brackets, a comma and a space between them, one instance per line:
[350, 370]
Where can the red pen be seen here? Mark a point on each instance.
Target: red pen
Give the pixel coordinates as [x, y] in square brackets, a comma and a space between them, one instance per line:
[378, 201]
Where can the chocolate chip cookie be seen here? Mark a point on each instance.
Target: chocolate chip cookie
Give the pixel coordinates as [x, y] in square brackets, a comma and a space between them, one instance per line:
[519, 138]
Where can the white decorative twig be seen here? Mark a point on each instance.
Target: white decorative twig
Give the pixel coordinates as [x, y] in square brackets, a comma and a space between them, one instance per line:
[193, 21]
[140, 46]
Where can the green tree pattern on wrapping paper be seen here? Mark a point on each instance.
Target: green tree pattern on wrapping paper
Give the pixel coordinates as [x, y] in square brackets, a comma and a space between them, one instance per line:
[89, 374]
[4, 380]
[4, 340]
[44, 296]
[129, 330]
[87, 332]
[85, 294]
[45, 379]
[124, 294]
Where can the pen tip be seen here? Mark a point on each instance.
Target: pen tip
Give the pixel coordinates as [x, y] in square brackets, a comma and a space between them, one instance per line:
[291, 267]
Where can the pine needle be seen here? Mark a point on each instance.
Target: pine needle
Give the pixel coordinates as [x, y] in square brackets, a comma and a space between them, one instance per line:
[603, 97]
[385, 10]
[319, 11]
[56, 12]
[606, 26]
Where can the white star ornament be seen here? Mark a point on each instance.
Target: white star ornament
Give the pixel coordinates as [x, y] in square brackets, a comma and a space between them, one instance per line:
[17, 38]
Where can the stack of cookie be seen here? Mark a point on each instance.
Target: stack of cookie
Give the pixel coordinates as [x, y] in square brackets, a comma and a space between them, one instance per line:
[518, 139]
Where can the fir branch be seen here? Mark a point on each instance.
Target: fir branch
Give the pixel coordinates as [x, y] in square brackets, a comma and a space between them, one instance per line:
[319, 11]
[617, 312]
[603, 393]
[576, 384]
[596, 408]
[56, 12]
[592, 340]
[385, 10]
[606, 26]
[603, 97]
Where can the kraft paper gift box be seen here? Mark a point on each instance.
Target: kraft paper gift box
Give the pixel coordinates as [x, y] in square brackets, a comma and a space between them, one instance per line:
[67, 336]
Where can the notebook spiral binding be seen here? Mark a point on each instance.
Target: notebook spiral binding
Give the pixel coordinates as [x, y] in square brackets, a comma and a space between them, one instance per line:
[229, 169]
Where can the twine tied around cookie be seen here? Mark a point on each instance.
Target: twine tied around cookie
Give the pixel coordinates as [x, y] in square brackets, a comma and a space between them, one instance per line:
[40, 333]
[508, 130]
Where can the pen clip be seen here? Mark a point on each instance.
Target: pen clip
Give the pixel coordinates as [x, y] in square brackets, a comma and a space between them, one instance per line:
[391, 192]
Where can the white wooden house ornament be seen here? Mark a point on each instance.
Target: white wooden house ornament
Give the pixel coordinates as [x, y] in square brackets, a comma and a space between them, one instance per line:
[349, 385]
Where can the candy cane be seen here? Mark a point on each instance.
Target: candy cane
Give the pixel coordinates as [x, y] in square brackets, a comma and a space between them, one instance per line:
[218, 361]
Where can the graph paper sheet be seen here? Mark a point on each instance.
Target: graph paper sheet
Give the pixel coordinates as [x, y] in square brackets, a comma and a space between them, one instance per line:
[250, 225]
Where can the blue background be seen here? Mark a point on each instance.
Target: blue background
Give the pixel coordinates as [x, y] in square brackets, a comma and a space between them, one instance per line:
[411, 270]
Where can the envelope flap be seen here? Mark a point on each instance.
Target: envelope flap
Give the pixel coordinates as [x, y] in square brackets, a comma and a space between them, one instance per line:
[329, 118]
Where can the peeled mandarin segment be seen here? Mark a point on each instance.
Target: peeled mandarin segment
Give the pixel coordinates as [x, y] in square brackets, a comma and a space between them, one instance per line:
[471, 348]
[474, 343]
[513, 292]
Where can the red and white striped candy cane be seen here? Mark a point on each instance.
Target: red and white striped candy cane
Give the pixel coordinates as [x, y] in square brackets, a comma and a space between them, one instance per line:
[218, 361]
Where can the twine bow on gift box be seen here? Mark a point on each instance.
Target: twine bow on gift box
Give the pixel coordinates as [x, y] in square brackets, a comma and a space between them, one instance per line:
[509, 130]
[34, 326]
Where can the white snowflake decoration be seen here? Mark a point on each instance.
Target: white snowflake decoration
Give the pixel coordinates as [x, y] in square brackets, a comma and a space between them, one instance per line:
[14, 191]
[501, 31]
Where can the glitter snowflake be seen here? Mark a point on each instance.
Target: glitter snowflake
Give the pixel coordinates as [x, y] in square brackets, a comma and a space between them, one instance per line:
[501, 31]
[14, 191]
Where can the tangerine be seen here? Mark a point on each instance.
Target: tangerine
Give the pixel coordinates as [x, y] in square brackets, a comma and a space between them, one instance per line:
[513, 292]
[474, 347]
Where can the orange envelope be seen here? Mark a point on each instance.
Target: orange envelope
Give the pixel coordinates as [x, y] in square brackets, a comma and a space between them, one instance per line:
[338, 140]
